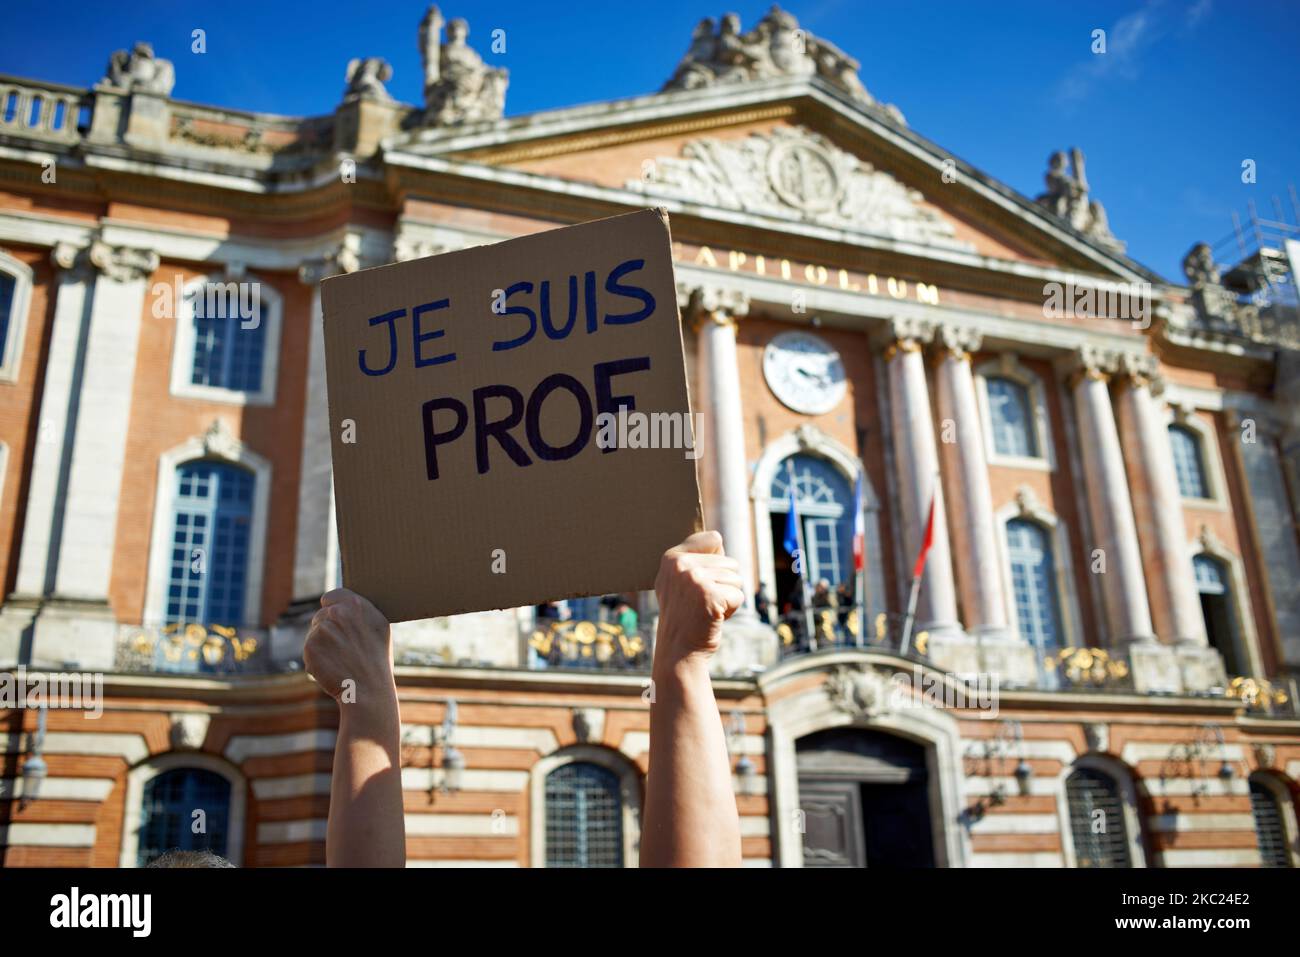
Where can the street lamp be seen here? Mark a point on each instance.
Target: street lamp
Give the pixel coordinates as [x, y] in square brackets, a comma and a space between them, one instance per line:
[35, 769]
[746, 771]
[453, 762]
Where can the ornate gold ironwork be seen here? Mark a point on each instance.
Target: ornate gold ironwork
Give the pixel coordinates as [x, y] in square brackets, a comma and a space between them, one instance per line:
[182, 647]
[1257, 693]
[1088, 667]
[570, 642]
[786, 633]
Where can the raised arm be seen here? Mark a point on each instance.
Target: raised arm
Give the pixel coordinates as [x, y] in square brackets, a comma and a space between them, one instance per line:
[350, 654]
[690, 815]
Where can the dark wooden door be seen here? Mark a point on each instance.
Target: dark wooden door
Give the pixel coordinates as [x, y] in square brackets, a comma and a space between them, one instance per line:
[832, 823]
[865, 799]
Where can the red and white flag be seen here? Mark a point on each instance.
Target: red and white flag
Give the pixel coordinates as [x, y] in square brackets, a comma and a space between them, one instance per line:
[925, 543]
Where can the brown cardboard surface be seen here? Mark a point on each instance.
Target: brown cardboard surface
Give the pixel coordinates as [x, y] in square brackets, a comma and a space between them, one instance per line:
[567, 525]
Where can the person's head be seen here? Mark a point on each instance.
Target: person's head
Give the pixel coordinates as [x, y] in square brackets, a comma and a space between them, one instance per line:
[178, 858]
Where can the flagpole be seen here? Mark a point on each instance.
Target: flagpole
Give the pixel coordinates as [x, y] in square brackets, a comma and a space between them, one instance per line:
[803, 560]
[861, 576]
[911, 615]
[919, 569]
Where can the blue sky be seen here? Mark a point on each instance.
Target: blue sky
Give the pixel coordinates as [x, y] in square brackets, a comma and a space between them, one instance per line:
[1187, 90]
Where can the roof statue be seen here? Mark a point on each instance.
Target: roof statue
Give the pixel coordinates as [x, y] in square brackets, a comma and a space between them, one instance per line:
[777, 46]
[366, 78]
[139, 70]
[1067, 197]
[458, 86]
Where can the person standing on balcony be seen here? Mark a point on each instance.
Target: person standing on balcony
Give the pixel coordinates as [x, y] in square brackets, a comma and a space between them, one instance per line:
[691, 818]
[626, 617]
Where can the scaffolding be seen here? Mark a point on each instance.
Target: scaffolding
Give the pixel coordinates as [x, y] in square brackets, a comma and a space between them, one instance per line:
[1264, 251]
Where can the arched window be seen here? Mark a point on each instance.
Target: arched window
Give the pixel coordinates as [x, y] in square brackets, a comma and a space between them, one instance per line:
[15, 298]
[208, 577]
[170, 818]
[1033, 584]
[1212, 581]
[1270, 828]
[584, 817]
[1189, 463]
[228, 347]
[1098, 825]
[8, 293]
[1011, 418]
[824, 501]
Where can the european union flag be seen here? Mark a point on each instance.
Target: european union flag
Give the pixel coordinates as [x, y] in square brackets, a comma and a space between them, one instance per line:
[791, 542]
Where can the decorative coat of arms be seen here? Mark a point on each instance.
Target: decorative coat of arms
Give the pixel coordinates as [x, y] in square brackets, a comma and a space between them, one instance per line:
[792, 170]
[860, 692]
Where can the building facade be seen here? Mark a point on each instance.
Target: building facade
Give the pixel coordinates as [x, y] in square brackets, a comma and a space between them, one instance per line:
[1100, 669]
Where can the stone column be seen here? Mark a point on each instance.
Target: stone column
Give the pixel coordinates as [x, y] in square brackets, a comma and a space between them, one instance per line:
[980, 567]
[748, 645]
[1118, 567]
[52, 452]
[1157, 506]
[77, 624]
[918, 473]
[714, 316]
[58, 407]
[312, 551]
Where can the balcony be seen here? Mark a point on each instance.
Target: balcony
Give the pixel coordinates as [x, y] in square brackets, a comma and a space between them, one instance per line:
[196, 650]
[44, 111]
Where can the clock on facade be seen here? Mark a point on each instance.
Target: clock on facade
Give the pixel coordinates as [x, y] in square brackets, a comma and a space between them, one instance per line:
[805, 372]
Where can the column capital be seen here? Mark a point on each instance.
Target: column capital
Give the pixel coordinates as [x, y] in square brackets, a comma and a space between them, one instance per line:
[716, 304]
[122, 263]
[406, 248]
[346, 258]
[905, 334]
[1090, 362]
[958, 341]
[1139, 370]
[67, 256]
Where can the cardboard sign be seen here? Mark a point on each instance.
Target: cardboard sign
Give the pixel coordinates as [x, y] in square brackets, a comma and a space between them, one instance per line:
[471, 397]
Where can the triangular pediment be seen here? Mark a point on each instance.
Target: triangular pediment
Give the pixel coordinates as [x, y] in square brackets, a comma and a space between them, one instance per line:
[784, 153]
[793, 173]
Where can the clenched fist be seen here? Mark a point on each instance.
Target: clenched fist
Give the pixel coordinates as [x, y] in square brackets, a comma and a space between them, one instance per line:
[698, 588]
[349, 640]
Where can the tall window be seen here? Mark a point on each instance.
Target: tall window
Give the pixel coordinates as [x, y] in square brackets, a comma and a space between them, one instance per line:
[1097, 822]
[1270, 833]
[1012, 419]
[209, 559]
[1189, 463]
[1216, 607]
[1033, 584]
[228, 349]
[584, 817]
[8, 292]
[168, 813]
[824, 501]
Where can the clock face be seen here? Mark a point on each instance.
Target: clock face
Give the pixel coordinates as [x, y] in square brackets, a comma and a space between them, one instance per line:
[804, 372]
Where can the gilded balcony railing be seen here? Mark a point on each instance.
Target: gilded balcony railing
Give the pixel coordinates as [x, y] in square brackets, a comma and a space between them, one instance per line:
[193, 649]
[597, 645]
